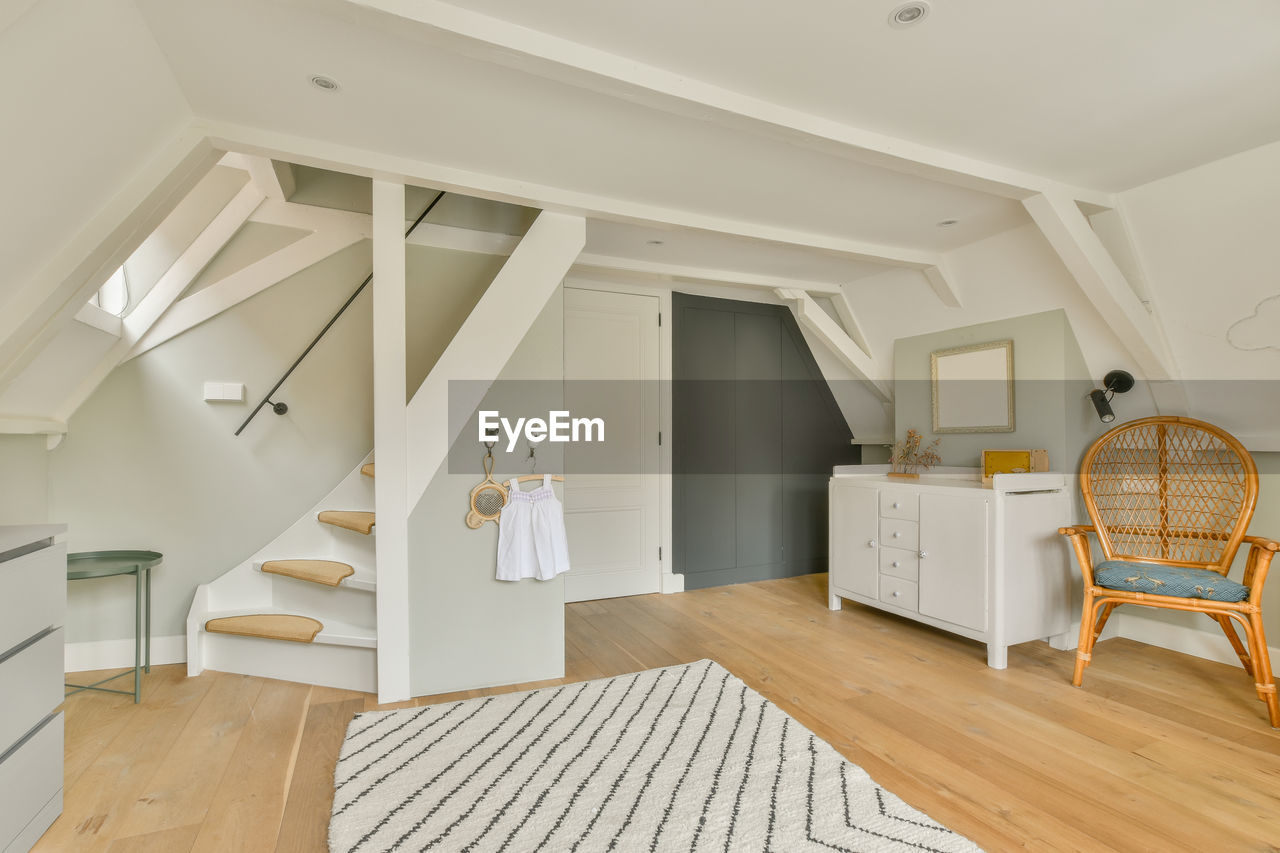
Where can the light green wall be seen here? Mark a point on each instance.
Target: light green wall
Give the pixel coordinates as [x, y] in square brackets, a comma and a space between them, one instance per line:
[1050, 381]
[467, 628]
[24, 479]
[148, 464]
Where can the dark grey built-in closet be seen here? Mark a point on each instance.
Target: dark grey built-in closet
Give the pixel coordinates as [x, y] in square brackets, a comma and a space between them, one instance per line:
[756, 432]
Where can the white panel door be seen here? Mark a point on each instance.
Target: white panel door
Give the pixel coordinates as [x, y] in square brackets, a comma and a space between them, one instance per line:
[953, 559]
[612, 516]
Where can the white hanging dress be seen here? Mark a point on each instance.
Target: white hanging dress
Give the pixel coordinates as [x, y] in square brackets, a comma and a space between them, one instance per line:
[531, 537]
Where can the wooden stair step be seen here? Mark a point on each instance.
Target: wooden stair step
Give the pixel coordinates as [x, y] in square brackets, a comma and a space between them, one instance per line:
[326, 572]
[360, 522]
[367, 469]
[268, 626]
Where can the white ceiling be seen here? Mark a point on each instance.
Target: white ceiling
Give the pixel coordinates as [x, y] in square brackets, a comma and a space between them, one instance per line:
[248, 62]
[1096, 93]
[687, 247]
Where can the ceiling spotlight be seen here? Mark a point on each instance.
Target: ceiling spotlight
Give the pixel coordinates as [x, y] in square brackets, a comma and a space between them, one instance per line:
[908, 14]
[326, 83]
[947, 223]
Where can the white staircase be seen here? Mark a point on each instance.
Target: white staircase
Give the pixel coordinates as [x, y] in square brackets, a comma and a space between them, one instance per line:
[319, 570]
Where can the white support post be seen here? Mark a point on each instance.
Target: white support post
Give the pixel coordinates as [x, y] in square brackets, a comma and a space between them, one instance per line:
[810, 315]
[1068, 231]
[390, 441]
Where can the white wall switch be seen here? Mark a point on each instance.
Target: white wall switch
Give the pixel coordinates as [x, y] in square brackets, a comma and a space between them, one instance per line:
[224, 392]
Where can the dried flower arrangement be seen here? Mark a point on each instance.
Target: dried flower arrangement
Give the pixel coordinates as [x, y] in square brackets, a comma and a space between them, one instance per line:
[909, 458]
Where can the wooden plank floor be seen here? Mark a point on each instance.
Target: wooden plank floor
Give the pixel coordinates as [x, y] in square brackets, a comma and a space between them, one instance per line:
[1158, 751]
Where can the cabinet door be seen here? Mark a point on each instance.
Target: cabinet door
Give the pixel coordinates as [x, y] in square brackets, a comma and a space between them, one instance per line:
[953, 559]
[855, 565]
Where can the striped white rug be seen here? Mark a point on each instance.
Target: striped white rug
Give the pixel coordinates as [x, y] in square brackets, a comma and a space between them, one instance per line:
[683, 758]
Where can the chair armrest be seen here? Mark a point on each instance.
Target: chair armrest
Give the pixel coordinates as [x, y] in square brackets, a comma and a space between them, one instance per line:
[1078, 534]
[1261, 550]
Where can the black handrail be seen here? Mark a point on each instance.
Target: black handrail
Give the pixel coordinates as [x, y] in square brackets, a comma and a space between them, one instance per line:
[281, 408]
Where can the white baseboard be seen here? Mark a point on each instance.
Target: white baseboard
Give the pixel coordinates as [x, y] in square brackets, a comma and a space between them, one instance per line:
[671, 582]
[115, 654]
[1210, 645]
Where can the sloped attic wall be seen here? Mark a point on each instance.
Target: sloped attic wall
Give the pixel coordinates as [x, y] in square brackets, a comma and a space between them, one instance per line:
[90, 102]
[1207, 241]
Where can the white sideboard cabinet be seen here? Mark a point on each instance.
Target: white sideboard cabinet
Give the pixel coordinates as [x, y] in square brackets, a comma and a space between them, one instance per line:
[33, 574]
[985, 563]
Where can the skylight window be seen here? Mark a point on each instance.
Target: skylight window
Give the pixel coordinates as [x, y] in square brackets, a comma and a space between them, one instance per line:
[113, 296]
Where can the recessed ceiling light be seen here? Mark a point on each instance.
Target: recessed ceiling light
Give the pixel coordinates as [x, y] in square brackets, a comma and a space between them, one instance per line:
[327, 83]
[908, 14]
[947, 223]
[653, 242]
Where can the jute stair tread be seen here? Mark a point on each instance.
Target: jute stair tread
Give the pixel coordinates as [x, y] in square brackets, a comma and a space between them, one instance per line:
[326, 572]
[268, 626]
[360, 522]
[367, 469]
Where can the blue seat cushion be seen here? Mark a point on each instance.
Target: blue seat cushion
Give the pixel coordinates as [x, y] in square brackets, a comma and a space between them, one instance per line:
[1176, 581]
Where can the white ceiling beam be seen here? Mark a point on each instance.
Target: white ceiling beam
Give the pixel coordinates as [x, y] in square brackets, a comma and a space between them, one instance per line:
[502, 42]
[166, 291]
[487, 338]
[323, 154]
[1068, 231]
[850, 322]
[943, 284]
[51, 298]
[226, 293]
[810, 315]
[104, 321]
[31, 425]
[668, 271]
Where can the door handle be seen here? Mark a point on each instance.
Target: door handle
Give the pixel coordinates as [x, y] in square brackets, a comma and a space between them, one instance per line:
[922, 555]
[871, 543]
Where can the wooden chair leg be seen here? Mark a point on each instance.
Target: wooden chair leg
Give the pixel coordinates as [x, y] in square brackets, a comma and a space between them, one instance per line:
[1263, 678]
[1084, 651]
[1102, 621]
[1230, 630]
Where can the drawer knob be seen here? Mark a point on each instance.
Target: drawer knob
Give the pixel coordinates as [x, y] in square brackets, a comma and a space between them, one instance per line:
[897, 593]
[871, 543]
[896, 504]
[922, 555]
[895, 564]
[895, 534]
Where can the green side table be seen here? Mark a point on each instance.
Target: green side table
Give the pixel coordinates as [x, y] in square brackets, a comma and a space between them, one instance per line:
[105, 564]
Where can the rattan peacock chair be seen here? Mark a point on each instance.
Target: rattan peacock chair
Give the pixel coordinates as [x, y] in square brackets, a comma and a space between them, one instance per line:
[1171, 499]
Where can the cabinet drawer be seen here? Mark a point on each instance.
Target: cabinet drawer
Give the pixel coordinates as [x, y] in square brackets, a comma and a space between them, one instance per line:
[30, 776]
[31, 684]
[899, 504]
[899, 592]
[900, 563]
[35, 595]
[896, 533]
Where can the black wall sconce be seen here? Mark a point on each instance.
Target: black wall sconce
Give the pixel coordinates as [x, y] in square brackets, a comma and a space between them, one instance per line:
[1115, 382]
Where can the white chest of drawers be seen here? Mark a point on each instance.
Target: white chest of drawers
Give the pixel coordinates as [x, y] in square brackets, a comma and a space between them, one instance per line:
[33, 577]
[985, 563]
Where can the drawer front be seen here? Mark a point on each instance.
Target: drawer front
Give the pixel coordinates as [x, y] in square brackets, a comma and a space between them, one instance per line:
[900, 563]
[899, 593]
[31, 684]
[896, 533]
[35, 595]
[30, 776]
[899, 504]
